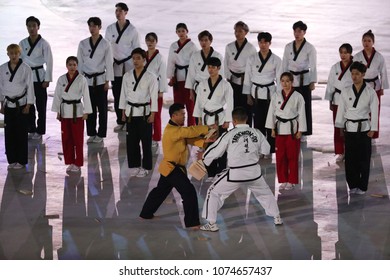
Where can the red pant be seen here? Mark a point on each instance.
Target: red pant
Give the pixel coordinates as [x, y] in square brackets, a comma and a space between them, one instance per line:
[73, 141]
[157, 122]
[182, 95]
[287, 156]
[338, 139]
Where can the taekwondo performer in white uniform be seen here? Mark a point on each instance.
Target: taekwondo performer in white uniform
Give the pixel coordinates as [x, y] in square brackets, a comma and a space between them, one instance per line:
[376, 75]
[287, 119]
[36, 53]
[263, 70]
[179, 56]
[197, 70]
[155, 63]
[236, 56]
[96, 64]
[243, 145]
[16, 97]
[124, 39]
[138, 102]
[339, 78]
[72, 104]
[357, 114]
[300, 59]
[214, 105]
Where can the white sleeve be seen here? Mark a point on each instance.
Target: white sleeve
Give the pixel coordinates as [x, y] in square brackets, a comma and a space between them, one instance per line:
[216, 150]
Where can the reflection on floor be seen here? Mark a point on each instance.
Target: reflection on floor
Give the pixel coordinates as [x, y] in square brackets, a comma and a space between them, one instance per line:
[48, 214]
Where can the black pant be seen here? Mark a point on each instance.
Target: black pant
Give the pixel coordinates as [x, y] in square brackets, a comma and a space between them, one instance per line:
[357, 159]
[39, 125]
[16, 135]
[240, 99]
[139, 130]
[116, 92]
[219, 164]
[178, 180]
[99, 104]
[306, 93]
[261, 111]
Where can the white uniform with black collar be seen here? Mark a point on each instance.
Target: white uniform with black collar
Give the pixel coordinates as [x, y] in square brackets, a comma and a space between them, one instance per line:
[181, 58]
[244, 146]
[195, 72]
[158, 67]
[235, 63]
[222, 97]
[270, 73]
[145, 92]
[100, 62]
[122, 50]
[22, 83]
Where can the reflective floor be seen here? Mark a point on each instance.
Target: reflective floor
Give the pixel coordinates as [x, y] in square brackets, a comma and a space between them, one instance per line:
[47, 214]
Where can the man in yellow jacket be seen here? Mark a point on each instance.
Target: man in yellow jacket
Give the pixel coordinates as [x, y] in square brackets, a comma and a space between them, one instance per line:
[173, 167]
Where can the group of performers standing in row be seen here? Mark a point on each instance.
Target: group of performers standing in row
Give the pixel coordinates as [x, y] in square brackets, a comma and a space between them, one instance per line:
[276, 94]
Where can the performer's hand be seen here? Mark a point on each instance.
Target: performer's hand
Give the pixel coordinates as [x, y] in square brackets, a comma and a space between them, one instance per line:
[151, 118]
[225, 125]
[123, 116]
[249, 100]
[160, 95]
[192, 94]
[199, 154]
[370, 133]
[273, 133]
[26, 109]
[58, 117]
[380, 92]
[106, 86]
[213, 126]
[85, 116]
[342, 133]
[298, 135]
[45, 84]
[312, 86]
[331, 106]
[172, 82]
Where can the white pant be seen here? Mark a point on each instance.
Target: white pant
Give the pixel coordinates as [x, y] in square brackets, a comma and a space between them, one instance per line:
[221, 189]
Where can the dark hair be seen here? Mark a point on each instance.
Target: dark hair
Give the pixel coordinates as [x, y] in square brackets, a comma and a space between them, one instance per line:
[240, 114]
[72, 58]
[181, 25]
[205, 33]
[151, 35]
[175, 107]
[287, 74]
[241, 24]
[300, 25]
[264, 35]
[213, 61]
[346, 46]
[95, 20]
[33, 19]
[358, 66]
[138, 51]
[121, 5]
[369, 34]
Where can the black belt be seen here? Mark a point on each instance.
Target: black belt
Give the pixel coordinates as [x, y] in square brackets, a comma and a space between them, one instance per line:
[74, 103]
[15, 100]
[279, 119]
[333, 94]
[359, 121]
[93, 76]
[215, 113]
[263, 86]
[182, 167]
[300, 73]
[238, 75]
[119, 62]
[37, 72]
[372, 81]
[180, 67]
[136, 105]
[242, 166]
